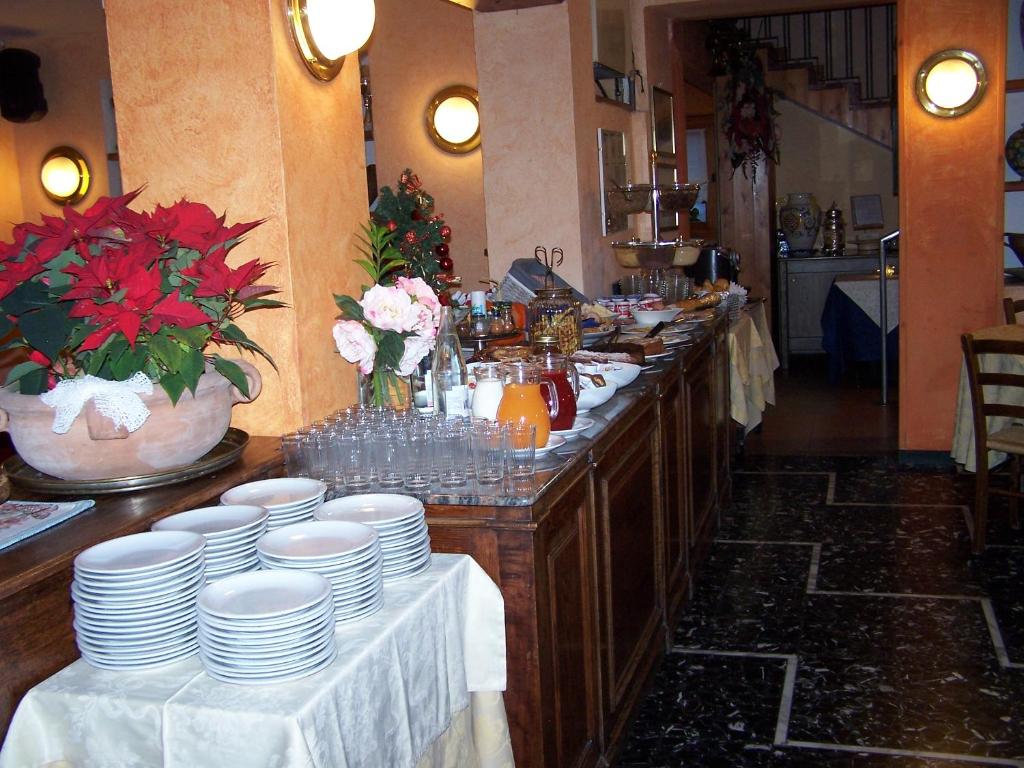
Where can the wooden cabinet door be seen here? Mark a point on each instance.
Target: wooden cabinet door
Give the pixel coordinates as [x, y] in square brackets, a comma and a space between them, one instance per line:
[628, 509]
[568, 632]
[807, 292]
[676, 509]
[699, 388]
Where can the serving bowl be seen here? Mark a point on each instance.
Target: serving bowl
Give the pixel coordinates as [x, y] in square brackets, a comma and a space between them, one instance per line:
[654, 316]
[592, 396]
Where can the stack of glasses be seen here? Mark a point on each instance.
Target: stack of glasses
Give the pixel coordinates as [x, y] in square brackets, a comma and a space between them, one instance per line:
[367, 448]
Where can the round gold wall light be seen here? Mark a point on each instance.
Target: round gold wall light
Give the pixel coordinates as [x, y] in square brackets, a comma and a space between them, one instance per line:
[951, 83]
[65, 175]
[453, 119]
[326, 31]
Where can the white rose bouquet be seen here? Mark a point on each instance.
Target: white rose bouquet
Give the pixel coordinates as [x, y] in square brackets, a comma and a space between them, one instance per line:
[393, 326]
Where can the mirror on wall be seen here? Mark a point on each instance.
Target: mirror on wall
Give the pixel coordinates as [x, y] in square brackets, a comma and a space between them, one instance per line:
[611, 149]
[663, 139]
[612, 41]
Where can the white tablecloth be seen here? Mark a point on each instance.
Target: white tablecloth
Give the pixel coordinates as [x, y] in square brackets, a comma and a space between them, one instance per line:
[752, 364]
[399, 694]
[864, 292]
[963, 430]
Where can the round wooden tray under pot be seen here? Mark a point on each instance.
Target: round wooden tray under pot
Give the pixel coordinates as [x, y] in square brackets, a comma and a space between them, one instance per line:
[222, 454]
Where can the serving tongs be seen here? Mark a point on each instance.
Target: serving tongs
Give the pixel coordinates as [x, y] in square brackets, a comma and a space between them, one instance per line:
[663, 325]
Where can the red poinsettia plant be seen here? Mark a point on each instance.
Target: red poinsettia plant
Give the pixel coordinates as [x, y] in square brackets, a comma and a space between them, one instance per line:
[114, 291]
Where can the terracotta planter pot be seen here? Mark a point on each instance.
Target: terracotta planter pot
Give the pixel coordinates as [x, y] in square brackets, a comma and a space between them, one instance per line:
[94, 450]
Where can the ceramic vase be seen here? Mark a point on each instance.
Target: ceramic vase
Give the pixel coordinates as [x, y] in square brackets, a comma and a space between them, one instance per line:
[93, 449]
[1015, 151]
[800, 218]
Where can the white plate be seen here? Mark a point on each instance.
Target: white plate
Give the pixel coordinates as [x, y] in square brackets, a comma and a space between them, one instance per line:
[332, 563]
[150, 578]
[269, 627]
[214, 521]
[140, 552]
[581, 424]
[402, 538]
[277, 493]
[371, 508]
[411, 572]
[148, 595]
[262, 595]
[139, 616]
[127, 666]
[368, 611]
[554, 441]
[402, 564]
[225, 677]
[317, 540]
[226, 639]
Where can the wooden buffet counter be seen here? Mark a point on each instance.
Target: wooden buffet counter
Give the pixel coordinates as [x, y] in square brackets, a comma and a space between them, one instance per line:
[595, 562]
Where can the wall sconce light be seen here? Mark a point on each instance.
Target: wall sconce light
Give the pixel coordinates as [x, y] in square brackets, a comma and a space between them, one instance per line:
[453, 119]
[326, 31]
[65, 175]
[951, 83]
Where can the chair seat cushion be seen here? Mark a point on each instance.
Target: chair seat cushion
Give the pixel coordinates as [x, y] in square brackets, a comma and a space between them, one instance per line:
[1009, 440]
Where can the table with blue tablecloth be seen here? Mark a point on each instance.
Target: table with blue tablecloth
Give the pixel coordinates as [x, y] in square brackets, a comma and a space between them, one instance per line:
[851, 320]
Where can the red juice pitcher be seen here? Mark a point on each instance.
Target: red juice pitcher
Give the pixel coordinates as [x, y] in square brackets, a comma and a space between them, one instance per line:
[562, 374]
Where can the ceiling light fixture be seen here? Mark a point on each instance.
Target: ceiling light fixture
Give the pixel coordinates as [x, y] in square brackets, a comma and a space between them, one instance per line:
[326, 31]
[951, 83]
[453, 119]
[65, 175]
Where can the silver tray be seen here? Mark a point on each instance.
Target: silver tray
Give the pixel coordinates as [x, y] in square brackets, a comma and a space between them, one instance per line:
[222, 454]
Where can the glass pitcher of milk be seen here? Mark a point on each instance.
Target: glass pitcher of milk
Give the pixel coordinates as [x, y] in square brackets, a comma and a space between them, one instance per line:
[488, 392]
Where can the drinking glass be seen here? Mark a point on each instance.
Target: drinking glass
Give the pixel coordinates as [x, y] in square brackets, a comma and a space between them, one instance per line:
[354, 452]
[418, 463]
[387, 457]
[520, 449]
[488, 447]
[452, 454]
[291, 449]
[312, 452]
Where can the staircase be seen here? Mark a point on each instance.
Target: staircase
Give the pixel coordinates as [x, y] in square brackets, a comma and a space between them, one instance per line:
[838, 64]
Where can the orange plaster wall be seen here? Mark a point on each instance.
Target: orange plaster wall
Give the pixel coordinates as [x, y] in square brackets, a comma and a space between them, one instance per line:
[951, 211]
[214, 113]
[530, 184]
[416, 50]
[11, 210]
[73, 53]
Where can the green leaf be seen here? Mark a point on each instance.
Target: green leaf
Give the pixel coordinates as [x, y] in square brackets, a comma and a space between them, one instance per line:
[233, 373]
[390, 349]
[166, 351]
[6, 326]
[173, 384]
[349, 308]
[193, 364]
[251, 304]
[129, 362]
[20, 370]
[47, 329]
[34, 382]
[27, 296]
[233, 333]
[191, 337]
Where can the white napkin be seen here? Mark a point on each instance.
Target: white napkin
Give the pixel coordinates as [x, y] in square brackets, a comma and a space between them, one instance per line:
[119, 401]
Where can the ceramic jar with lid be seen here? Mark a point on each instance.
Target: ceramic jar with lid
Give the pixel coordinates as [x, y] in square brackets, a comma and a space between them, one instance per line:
[833, 232]
[556, 312]
[799, 218]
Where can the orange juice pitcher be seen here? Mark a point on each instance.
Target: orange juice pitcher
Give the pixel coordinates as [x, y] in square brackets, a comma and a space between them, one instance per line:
[522, 402]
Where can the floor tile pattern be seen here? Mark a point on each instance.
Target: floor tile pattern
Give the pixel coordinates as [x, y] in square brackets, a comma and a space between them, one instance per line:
[840, 620]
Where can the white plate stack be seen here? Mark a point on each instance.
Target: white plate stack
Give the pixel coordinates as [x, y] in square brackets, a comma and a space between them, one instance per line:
[135, 599]
[266, 627]
[287, 499]
[399, 521]
[231, 532]
[347, 554]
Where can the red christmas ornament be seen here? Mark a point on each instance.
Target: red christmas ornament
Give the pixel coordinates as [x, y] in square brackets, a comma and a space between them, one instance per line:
[444, 299]
[416, 215]
[441, 249]
[445, 232]
[392, 225]
[446, 263]
[410, 237]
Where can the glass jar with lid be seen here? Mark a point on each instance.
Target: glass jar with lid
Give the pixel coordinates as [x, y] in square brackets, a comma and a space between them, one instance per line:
[556, 312]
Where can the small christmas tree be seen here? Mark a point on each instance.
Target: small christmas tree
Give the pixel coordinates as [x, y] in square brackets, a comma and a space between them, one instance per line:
[421, 236]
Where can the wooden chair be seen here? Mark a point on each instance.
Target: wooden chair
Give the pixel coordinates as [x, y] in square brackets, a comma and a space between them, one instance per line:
[1011, 308]
[1008, 439]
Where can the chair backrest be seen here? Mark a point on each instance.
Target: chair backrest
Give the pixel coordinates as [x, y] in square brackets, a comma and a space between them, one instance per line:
[1010, 309]
[983, 402]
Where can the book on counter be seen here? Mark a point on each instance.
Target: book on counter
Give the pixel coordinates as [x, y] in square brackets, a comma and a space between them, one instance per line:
[21, 519]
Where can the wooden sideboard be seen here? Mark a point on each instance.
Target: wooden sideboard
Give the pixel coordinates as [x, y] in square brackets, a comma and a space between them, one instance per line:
[802, 284]
[594, 568]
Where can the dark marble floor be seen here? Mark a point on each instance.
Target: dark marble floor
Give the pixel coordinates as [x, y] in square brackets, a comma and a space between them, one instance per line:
[841, 621]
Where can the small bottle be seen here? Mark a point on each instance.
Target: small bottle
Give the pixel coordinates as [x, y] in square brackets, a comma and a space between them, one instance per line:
[782, 244]
[479, 324]
[423, 387]
[448, 371]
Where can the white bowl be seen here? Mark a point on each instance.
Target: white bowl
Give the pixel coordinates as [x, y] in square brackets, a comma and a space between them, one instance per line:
[591, 397]
[654, 316]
